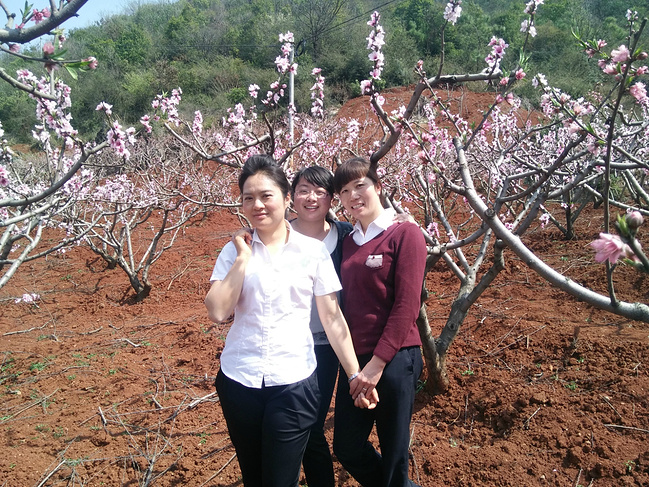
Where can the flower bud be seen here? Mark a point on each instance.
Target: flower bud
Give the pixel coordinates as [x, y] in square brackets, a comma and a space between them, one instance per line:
[634, 219]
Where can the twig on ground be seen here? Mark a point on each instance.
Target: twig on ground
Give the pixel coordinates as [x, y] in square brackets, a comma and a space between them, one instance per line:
[136, 345]
[91, 332]
[576, 482]
[20, 332]
[178, 275]
[526, 424]
[626, 427]
[191, 405]
[47, 477]
[219, 470]
[35, 403]
[524, 337]
[607, 401]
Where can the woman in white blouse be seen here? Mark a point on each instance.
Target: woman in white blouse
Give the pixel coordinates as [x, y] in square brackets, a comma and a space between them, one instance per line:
[268, 277]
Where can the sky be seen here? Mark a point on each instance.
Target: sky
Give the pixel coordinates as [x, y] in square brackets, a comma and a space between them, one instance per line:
[90, 13]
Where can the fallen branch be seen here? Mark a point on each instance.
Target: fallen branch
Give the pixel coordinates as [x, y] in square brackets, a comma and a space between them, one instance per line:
[219, 470]
[20, 332]
[626, 428]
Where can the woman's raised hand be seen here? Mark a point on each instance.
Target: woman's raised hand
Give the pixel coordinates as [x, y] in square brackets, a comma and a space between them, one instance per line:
[242, 240]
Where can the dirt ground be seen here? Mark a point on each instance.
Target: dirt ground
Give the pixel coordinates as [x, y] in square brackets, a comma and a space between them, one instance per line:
[99, 390]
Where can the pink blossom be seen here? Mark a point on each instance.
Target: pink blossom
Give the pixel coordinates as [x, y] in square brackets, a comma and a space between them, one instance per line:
[48, 49]
[39, 15]
[621, 54]
[642, 70]
[105, 107]
[288, 37]
[639, 92]
[634, 219]
[14, 47]
[520, 74]
[610, 69]
[92, 62]
[146, 122]
[253, 90]
[452, 11]
[608, 247]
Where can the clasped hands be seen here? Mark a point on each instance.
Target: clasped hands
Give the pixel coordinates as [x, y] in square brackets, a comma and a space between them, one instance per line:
[363, 387]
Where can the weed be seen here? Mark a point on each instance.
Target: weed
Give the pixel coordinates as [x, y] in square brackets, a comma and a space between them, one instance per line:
[38, 366]
[572, 385]
[42, 428]
[112, 371]
[71, 377]
[468, 372]
[629, 465]
[59, 432]
[581, 360]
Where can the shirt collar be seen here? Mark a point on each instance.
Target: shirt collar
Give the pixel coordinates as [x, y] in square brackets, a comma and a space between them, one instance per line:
[380, 224]
[291, 232]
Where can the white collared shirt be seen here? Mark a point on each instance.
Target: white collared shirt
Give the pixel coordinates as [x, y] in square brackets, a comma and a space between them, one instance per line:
[384, 221]
[270, 341]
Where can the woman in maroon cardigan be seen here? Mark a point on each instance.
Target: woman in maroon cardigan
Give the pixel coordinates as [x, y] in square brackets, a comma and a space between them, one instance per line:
[382, 273]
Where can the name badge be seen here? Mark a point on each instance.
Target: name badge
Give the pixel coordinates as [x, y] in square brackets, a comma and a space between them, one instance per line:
[374, 261]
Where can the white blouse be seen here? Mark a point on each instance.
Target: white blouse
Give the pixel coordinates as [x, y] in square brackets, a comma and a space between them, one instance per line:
[270, 341]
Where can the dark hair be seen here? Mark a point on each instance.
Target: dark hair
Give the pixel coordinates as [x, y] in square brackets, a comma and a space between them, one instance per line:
[264, 163]
[316, 175]
[353, 169]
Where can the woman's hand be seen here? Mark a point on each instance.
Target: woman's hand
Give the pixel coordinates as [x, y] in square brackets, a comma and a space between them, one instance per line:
[242, 240]
[365, 382]
[368, 402]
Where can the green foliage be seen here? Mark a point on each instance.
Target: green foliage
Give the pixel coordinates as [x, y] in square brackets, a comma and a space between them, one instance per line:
[214, 49]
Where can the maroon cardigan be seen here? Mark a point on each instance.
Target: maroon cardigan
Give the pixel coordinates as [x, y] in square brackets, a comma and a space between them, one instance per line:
[382, 290]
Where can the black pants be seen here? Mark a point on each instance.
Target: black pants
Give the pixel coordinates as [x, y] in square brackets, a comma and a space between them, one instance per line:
[317, 462]
[269, 428]
[352, 426]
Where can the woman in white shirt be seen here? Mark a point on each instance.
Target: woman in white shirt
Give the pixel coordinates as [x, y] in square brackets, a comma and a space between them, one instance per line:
[267, 277]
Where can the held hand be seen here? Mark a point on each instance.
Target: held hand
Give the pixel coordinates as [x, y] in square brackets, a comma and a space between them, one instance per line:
[366, 380]
[369, 402]
[242, 240]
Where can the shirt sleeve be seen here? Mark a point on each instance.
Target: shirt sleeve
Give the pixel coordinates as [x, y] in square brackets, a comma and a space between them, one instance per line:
[224, 262]
[326, 279]
[410, 254]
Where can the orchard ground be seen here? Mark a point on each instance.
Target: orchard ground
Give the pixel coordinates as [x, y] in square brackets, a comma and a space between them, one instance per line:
[100, 390]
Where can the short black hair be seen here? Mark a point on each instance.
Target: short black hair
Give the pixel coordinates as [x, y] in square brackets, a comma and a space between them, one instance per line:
[264, 163]
[316, 175]
[352, 169]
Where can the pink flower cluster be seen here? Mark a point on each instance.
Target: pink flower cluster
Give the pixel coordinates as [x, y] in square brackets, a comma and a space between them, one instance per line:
[117, 139]
[639, 92]
[28, 298]
[452, 11]
[4, 177]
[39, 15]
[53, 113]
[317, 93]
[375, 43]
[197, 125]
[283, 62]
[253, 90]
[169, 105]
[498, 47]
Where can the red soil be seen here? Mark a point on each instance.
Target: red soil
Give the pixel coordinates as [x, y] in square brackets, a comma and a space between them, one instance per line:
[544, 390]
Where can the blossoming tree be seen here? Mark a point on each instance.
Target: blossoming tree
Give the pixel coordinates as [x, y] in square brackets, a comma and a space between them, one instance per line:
[33, 192]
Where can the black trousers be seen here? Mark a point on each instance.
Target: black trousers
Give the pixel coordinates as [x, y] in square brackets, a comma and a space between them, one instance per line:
[269, 428]
[317, 462]
[352, 426]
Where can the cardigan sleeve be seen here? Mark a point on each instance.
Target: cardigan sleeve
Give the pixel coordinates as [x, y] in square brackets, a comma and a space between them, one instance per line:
[410, 255]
